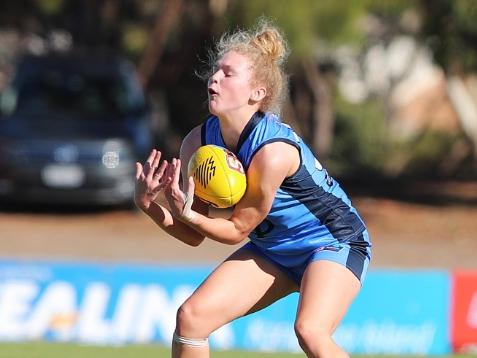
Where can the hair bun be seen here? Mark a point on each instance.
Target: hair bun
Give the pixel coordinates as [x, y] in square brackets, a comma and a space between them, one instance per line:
[266, 49]
[271, 43]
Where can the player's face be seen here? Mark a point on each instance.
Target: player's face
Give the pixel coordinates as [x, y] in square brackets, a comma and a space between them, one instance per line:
[229, 87]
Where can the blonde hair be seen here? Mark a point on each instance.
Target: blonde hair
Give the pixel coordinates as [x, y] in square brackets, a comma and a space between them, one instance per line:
[267, 50]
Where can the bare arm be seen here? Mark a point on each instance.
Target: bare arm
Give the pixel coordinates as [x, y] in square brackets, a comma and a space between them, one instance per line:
[270, 166]
[174, 227]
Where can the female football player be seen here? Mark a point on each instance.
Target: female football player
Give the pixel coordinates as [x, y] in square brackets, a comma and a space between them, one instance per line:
[304, 234]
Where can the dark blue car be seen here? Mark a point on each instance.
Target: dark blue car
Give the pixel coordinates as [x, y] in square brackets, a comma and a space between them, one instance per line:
[71, 129]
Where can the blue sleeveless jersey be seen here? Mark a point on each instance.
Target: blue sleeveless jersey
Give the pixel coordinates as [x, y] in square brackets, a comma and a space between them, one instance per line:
[310, 210]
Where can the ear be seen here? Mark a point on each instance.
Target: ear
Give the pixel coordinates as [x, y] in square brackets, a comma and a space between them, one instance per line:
[258, 94]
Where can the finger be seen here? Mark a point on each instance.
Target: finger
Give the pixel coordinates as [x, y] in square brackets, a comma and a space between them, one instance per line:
[139, 172]
[169, 171]
[151, 156]
[157, 159]
[177, 171]
[150, 159]
[154, 164]
[159, 174]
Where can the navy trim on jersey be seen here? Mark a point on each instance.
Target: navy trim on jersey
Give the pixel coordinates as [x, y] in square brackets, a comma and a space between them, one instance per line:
[273, 140]
[249, 127]
[357, 256]
[360, 243]
[332, 212]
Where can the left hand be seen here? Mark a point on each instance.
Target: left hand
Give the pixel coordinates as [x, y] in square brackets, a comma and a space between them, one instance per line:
[150, 180]
[180, 202]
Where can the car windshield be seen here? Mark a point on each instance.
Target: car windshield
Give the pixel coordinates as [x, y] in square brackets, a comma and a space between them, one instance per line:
[57, 91]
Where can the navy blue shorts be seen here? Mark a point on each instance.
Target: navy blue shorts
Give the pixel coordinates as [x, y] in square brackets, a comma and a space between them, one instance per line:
[354, 255]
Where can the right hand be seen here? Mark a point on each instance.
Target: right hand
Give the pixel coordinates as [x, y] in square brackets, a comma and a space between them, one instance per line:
[180, 202]
[150, 180]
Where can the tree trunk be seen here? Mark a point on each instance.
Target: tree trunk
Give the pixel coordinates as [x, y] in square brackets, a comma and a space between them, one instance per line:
[163, 25]
[465, 104]
[322, 121]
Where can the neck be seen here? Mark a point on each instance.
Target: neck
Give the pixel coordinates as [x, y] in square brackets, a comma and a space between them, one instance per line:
[232, 125]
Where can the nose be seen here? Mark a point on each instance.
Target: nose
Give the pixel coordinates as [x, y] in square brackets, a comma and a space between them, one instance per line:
[215, 77]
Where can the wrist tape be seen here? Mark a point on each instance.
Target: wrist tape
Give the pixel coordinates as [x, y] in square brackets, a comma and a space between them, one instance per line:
[192, 342]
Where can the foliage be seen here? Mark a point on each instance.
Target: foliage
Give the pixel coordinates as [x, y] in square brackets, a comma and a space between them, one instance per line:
[424, 155]
[388, 9]
[305, 22]
[364, 145]
[313, 28]
[451, 29]
[50, 7]
[360, 142]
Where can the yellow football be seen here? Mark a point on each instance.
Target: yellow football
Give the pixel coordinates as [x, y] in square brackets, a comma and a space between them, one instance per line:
[218, 174]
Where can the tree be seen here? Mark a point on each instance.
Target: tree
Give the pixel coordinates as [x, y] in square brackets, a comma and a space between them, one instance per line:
[312, 28]
[451, 29]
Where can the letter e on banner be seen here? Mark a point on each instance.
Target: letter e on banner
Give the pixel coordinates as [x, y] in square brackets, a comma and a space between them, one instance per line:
[464, 311]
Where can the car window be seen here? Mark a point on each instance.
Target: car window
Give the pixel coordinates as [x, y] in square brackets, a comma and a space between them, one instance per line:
[62, 91]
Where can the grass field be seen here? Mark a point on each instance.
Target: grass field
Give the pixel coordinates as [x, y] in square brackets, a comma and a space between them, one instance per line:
[52, 350]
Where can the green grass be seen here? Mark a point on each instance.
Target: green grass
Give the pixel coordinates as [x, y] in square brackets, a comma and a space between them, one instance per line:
[55, 350]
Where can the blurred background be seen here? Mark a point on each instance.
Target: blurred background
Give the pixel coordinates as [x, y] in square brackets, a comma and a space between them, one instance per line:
[384, 92]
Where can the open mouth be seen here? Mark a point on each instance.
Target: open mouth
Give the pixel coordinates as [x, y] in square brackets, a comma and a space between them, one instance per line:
[212, 92]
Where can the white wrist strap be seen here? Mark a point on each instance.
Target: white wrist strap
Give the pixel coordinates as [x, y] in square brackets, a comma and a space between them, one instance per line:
[187, 212]
[193, 342]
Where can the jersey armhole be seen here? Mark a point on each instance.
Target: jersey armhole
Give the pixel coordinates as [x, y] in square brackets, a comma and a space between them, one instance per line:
[284, 140]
